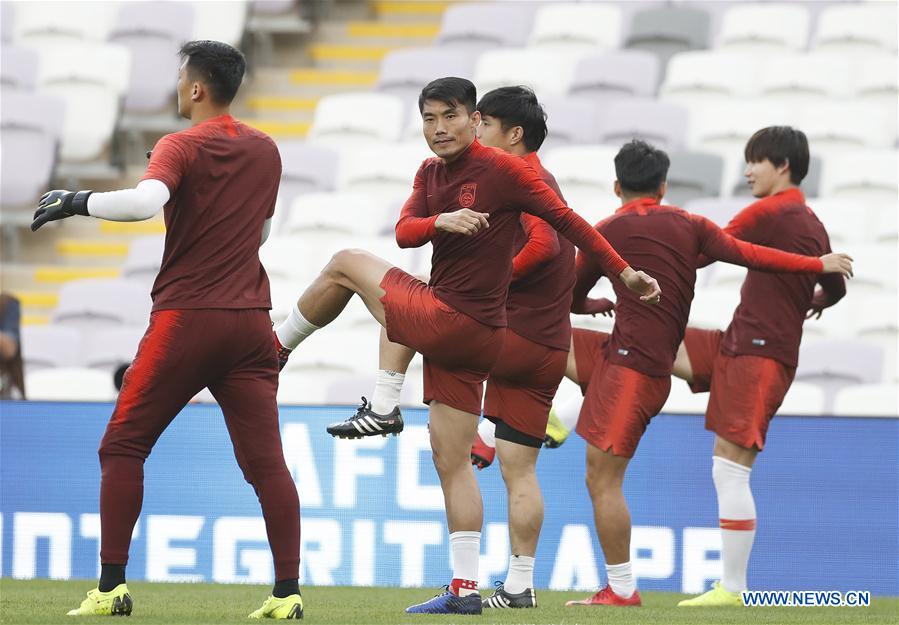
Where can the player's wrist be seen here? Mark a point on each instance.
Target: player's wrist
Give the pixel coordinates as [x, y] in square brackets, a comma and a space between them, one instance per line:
[77, 202]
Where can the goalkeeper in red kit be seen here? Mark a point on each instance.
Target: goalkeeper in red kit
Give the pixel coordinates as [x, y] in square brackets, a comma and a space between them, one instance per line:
[209, 327]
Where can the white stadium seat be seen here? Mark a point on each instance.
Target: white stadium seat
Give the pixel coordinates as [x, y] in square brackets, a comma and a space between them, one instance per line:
[713, 308]
[93, 304]
[41, 24]
[47, 346]
[804, 78]
[866, 175]
[355, 119]
[586, 176]
[580, 26]
[681, 400]
[837, 127]
[857, 28]
[766, 28]
[867, 400]
[350, 213]
[220, 20]
[113, 347]
[847, 222]
[144, 258]
[544, 71]
[724, 127]
[702, 76]
[386, 171]
[69, 384]
[803, 400]
[875, 79]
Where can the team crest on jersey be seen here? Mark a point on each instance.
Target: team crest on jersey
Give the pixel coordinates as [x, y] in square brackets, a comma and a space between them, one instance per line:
[467, 194]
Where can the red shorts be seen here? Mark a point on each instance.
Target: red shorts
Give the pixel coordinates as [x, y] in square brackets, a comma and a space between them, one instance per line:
[746, 391]
[458, 350]
[618, 401]
[522, 384]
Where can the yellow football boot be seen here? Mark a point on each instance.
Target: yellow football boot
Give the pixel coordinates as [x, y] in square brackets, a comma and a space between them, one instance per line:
[717, 597]
[556, 433]
[116, 602]
[275, 607]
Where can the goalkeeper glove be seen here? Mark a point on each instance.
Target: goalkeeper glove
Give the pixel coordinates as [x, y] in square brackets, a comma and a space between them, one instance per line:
[59, 204]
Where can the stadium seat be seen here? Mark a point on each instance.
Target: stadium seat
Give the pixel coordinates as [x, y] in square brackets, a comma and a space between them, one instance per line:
[41, 24]
[726, 276]
[666, 31]
[713, 308]
[31, 125]
[837, 363]
[791, 79]
[681, 400]
[354, 119]
[616, 73]
[662, 124]
[865, 175]
[876, 322]
[724, 127]
[693, 175]
[93, 304]
[599, 323]
[859, 28]
[305, 168]
[285, 293]
[384, 171]
[69, 384]
[144, 258]
[7, 22]
[569, 121]
[708, 76]
[874, 269]
[804, 399]
[719, 210]
[90, 79]
[113, 347]
[406, 71]
[837, 127]
[586, 176]
[344, 352]
[346, 213]
[884, 226]
[764, 28]
[479, 26]
[867, 400]
[545, 71]
[848, 223]
[51, 346]
[875, 79]
[581, 25]
[220, 20]
[18, 68]
[153, 32]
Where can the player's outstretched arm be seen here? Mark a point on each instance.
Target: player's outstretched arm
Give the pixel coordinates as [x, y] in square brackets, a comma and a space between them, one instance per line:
[137, 204]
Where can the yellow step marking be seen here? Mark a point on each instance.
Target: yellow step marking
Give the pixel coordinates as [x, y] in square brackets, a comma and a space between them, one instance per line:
[338, 52]
[333, 77]
[281, 103]
[380, 29]
[37, 299]
[75, 247]
[35, 320]
[394, 7]
[64, 274]
[280, 129]
[132, 227]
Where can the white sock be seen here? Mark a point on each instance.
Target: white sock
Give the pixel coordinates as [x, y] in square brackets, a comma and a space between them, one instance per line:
[466, 549]
[521, 574]
[487, 432]
[388, 386]
[569, 411]
[736, 512]
[294, 329]
[621, 579]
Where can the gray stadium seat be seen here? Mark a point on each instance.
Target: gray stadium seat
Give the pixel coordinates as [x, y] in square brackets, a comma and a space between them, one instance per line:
[95, 304]
[669, 30]
[662, 124]
[487, 25]
[693, 175]
[404, 72]
[31, 124]
[153, 32]
[616, 73]
[18, 67]
[51, 346]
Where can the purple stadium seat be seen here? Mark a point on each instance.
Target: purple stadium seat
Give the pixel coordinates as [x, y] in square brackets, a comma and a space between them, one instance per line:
[18, 67]
[487, 25]
[30, 129]
[305, 168]
[154, 32]
[662, 124]
[616, 73]
[569, 121]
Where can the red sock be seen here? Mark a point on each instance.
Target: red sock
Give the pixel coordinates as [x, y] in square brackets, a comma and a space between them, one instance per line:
[462, 584]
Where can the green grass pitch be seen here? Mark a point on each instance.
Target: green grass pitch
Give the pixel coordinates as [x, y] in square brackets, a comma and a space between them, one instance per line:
[42, 601]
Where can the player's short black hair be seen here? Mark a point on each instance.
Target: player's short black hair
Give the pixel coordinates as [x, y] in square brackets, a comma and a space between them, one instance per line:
[517, 106]
[219, 66]
[780, 144]
[640, 167]
[450, 90]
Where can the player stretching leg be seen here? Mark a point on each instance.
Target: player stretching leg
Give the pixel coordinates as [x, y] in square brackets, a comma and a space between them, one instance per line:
[625, 375]
[210, 327]
[468, 202]
[750, 366]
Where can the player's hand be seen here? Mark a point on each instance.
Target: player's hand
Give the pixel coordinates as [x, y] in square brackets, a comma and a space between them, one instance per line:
[462, 221]
[817, 305]
[59, 204]
[479, 461]
[598, 306]
[643, 284]
[837, 263]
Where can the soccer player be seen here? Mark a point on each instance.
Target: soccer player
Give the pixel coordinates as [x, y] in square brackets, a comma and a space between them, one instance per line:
[625, 376]
[468, 202]
[209, 327]
[749, 367]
